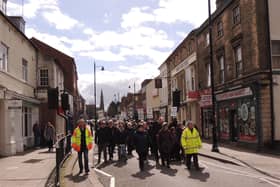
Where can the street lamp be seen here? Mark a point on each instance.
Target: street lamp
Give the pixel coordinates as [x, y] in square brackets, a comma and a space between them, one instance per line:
[95, 104]
[134, 102]
[214, 129]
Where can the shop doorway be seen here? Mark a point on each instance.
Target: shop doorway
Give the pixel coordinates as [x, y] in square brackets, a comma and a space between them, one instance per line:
[233, 125]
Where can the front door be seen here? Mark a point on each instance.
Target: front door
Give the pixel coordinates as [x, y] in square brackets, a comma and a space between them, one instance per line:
[233, 125]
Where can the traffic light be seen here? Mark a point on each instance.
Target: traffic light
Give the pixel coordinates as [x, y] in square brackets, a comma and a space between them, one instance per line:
[53, 98]
[65, 101]
[176, 98]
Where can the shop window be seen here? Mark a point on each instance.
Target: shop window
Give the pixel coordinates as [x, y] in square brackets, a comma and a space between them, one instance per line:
[236, 15]
[3, 57]
[224, 123]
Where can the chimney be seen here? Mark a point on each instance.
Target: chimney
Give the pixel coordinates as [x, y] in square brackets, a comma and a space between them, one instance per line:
[18, 22]
[3, 6]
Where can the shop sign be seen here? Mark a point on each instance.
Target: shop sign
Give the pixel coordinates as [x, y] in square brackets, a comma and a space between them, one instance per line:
[173, 111]
[205, 100]
[14, 104]
[234, 94]
[193, 95]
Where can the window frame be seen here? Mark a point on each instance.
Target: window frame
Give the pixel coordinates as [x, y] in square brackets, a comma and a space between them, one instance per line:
[238, 62]
[236, 18]
[24, 70]
[4, 57]
[46, 78]
[221, 68]
[220, 29]
[208, 69]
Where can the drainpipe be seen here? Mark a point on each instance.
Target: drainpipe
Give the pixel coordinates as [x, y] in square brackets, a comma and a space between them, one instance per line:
[270, 73]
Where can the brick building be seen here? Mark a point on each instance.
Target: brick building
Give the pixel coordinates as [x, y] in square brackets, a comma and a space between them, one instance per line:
[242, 77]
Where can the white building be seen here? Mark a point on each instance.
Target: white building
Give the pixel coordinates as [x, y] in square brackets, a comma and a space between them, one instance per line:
[163, 92]
[19, 108]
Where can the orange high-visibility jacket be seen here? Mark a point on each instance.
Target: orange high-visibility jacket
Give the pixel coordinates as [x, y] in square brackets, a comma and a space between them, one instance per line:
[76, 139]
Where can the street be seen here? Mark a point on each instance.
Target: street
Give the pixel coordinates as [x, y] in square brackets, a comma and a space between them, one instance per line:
[215, 173]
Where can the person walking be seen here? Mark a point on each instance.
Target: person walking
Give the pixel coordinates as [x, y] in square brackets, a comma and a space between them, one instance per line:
[82, 142]
[49, 135]
[121, 138]
[37, 134]
[165, 145]
[156, 126]
[141, 141]
[101, 140]
[191, 143]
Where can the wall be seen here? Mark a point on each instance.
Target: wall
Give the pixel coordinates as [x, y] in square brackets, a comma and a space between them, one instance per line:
[274, 19]
[19, 48]
[152, 96]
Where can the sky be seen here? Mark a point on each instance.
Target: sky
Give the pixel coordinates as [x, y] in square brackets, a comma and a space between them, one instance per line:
[130, 38]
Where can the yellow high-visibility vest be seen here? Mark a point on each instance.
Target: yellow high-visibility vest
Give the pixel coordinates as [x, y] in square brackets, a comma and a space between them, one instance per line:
[191, 141]
[76, 139]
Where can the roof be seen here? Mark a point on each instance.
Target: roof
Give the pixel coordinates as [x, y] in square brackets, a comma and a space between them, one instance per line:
[66, 62]
[17, 29]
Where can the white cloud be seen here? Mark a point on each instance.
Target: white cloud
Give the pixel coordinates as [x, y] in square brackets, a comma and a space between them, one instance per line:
[103, 55]
[169, 12]
[55, 41]
[59, 20]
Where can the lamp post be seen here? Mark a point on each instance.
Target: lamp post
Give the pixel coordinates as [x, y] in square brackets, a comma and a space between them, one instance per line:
[95, 104]
[214, 128]
[134, 102]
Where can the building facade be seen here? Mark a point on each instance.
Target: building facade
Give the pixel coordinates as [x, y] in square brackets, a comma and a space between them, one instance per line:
[241, 73]
[152, 101]
[19, 107]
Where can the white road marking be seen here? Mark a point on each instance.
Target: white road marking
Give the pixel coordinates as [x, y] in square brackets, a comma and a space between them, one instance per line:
[112, 179]
[245, 174]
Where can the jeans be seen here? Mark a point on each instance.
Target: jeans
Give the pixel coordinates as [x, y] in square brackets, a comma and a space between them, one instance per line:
[165, 157]
[195, 160]
[102, 148]
[111, 148]
[142, 158]
[80, 154]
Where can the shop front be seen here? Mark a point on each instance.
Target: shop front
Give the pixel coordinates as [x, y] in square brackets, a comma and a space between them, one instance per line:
[236, 113]
[205, 104]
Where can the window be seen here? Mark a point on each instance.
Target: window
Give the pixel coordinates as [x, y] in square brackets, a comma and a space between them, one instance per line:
[208, 75]
[24, 70]
[26, 121]
[3, 57]
[44, 77]
[276, 48]
[207, 38]
[222, 69]
[238, 60]
[192, 79]
[236, 15]
[220, 31]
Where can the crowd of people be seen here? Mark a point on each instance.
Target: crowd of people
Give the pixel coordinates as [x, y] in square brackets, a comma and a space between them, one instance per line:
[164, 142]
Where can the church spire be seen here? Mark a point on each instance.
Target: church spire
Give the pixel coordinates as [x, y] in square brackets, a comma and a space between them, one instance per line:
[101, 106]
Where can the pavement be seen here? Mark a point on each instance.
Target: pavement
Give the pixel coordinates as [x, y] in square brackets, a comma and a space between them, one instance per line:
[267, 164]
[29, 169]
[70, 173]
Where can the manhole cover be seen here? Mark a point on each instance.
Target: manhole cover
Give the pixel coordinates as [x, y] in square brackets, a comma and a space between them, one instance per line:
[32, 161]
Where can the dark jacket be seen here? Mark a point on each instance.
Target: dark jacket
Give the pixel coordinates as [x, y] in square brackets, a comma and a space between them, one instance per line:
[130, 136]
[154, 131]
[102, 136]
[121, 137]
[165, 141]
[141, 142]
